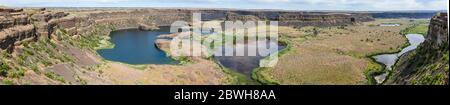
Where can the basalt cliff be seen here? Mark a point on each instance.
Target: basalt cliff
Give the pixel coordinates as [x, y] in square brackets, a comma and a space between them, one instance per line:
[17, 25]
[428, 64]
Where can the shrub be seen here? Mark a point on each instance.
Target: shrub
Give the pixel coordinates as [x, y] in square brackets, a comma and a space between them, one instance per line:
[20, 60]
[28, 51]
[5, 54]
[46, 63]
[7, 82]
[16, 74]
[4, 69]
[53, 76]
[35, 69]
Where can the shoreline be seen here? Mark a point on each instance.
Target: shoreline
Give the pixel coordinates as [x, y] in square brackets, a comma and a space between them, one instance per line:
[373, 74]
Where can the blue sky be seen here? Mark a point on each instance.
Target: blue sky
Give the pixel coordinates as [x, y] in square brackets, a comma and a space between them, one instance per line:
[356, 5]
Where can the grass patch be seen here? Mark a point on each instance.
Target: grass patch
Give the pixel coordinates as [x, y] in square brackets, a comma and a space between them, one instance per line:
[35, 69]
[415, 29]
[259, 73]
[16, 74]
[7, 82]
[372, 69]
[238, 78]
[53, 76]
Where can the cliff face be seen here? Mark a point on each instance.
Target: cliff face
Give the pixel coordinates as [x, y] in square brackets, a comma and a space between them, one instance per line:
[418, 14]
[16, 25]
[234, 17]
[301, 19]
[329, 19]
[438, 31]
[428, 64]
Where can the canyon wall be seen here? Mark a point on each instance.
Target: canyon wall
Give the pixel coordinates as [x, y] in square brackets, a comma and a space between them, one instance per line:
[17, 25]
[428, 64]
[313, 19]
[411, 14]
[165, 17]
[438, 31]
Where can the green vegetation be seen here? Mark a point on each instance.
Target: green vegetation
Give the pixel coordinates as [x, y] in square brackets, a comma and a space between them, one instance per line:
[96, 39]
[35, 69]
[259, 74]
[17, 73]
[181, 59]
[93, 40]
[11, 69]
[415, 29]
[428, 79]
[238, 78]
[7, 82]
[53, 76]
[47, 52]
[82, 81]
[27, 51]
[4, 68]
[4, 54]
[371, 70]
[89, 42]
[430, 65]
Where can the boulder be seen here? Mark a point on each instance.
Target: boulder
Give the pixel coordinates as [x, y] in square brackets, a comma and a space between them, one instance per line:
[163, 44]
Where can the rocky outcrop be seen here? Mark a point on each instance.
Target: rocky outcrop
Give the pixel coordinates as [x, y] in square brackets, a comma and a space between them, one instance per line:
[428, 64]
[316, 19]
[46, 20]
[438, 30]
[11, 18]
[146, 27]
[6, 10]
[9, 37]
[234, 16]
[132, 18]
[15, 26]
[163, 44]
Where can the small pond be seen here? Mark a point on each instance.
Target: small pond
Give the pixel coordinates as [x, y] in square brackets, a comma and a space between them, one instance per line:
[244, 64]
[389, 24]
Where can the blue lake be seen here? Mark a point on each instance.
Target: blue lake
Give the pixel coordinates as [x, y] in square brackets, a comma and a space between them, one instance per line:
[133, 46]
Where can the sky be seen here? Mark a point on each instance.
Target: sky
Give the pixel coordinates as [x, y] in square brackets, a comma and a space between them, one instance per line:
[353, 5]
